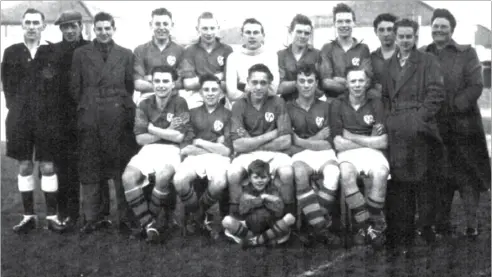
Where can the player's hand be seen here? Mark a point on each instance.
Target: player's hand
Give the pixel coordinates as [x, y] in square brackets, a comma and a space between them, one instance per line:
[176, 122]
[377, 129]
[346, 134]
[324, 133]
[242, 132]
[197, 142]
[150, 127]
[220, 75]
[221, 139]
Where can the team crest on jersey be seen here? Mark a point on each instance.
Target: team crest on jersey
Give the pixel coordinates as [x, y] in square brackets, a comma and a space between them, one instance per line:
[369, 119]
[169, 117]
[218, 125]
[220, 60]
[355, 61]
[171, 60]
[269, 116]
[319, 121]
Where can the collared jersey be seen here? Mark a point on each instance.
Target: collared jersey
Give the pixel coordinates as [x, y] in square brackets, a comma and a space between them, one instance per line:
[148, 56]
[335, 61]
[210, 126]
[272, 115]
[148, 112]
[361, 121]
[306, 124]
[197, 61]
[377, 62]
[288, 65]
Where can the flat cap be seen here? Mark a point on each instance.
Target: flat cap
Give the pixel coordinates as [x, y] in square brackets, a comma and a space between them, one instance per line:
[68, 16]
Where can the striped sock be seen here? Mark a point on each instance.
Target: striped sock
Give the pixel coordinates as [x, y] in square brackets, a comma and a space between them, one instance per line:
[158, 200]
[357, 205]
[308, 202]
[240, 231]
[374, 207]
[326, 198]
[189, 200]
[278, 230]
[137, 202]
[207, 201]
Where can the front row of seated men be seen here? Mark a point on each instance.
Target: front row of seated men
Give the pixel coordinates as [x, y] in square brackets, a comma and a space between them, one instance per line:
[277, 151]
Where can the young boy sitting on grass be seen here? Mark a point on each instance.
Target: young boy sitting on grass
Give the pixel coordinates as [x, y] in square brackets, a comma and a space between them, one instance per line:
[261, 208]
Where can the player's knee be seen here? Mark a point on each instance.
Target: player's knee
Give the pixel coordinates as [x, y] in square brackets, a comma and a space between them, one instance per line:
[348, 173]
[331, 171]
[229, 222]
[235, 174]
[182, 180]
[165, 174]
[47, 168]
[131, 177]
[25, 168]
[218, 183]
[286, 174]
[380, 173]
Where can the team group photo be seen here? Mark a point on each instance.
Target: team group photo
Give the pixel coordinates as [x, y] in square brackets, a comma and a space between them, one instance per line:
[360, 146]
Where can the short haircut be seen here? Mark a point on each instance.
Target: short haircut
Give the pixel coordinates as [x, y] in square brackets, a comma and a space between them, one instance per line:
[259, 167]
[259, 67]
[307, 70]
[383, 17]
[165, 69]
[405, 22]
[32, 10]
[252, 21]
[103, 16]
[208, 78]
[162, 11]
[301, 20]
[342, 8]
[444, 14]
[205, 15]
[355, 68]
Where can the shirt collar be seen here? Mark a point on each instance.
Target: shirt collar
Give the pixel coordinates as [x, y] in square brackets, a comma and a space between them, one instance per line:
[354, 44]
[345, 98]
[41, 42]
[295, 104]
[379, 52]
[218, 44]
[412, 57]
[152, 42]
[451, 45]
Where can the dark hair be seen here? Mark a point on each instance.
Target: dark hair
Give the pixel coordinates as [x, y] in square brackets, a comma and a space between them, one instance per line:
[405, 22]
[205, 15]
[259, 167]
[103, 16]
[355, 68]
[307, 69]
[208, 78]
[444, 14]
[165, 69]
[259, 67]
[301, 20]
[383, 17]
[252, 21]
[32, 10]
[162, 11]
[342, 8]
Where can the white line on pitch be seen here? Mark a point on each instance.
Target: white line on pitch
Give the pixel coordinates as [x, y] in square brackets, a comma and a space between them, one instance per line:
[346, 255]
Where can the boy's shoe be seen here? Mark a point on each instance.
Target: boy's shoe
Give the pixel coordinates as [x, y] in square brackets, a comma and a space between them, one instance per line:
[152, 233]
[28, 223]
[55, 224]
[375, 237]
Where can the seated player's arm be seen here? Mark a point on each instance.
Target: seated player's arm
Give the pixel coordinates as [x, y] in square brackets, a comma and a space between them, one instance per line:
[317, 142]
[192, 150]
[169, 134]
[213, 147]
[293, 149]
[274, 203]
[343, 144]
[247, 202]
[147, 138]
[278, 144]
[376, 142]
[248, 144]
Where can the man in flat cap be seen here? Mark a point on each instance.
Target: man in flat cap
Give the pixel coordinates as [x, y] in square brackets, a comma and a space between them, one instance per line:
[70, 23]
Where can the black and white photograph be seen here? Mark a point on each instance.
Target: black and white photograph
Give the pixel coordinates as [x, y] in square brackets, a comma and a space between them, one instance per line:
[245, 138]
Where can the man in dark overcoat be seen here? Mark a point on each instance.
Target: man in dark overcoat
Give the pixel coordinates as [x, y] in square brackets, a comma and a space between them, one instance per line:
[413, 93]
[460, 125]
[102, 86]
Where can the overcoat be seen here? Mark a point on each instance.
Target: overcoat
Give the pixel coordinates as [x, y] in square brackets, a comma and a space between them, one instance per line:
[105, 111]
[460, 122]
[412, 96]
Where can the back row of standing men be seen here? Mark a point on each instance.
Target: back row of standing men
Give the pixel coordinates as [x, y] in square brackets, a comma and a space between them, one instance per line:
[61, 104]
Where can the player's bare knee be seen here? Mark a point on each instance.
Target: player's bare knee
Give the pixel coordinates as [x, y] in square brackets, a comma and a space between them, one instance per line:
[47, 168]
[218, 184]
[331, 171]
[182, 180]
[228, 222]
[26, 168]
[235, 175]
[131, 177]
[165, 174]
[286, 174]
[348, 174]
[381, 173]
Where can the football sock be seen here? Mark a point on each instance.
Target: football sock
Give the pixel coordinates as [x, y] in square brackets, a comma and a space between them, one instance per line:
[326, 198]
[357, 205]
[26, 187]
[137, 202]
[374, 207]
[158, 201]
[189, 200]
[278, 229]
[308, 202]
[49, 185]
[207, 201]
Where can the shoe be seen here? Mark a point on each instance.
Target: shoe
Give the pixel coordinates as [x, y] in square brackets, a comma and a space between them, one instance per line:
[233, 238]
[27, 224]
[360, 237]
[103, 224]
[55, 224]
[248, 243]
[375, 237]
[69, 222]
[152, 233]
[89, 227]
[327, 237]
[471, 233]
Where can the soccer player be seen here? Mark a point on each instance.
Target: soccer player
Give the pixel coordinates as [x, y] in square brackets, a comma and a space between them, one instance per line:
[312, 153]
[460, 125]
[208, 157]
[207, 56]
[31, 131]
[383, 27]
[262, 208]
[359, 137]
[102, 87]
[261, 129]
[297, 53]
[160, 51]
[71, 27]
[413, 93]
[251, 53]
[160, 127]
[341, 53]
